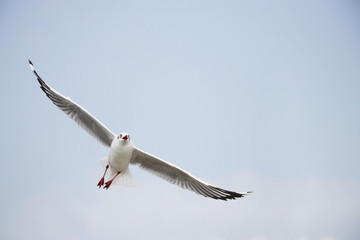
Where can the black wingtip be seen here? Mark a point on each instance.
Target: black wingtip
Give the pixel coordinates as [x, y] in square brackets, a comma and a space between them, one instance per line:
[231, 195]
[31, 66]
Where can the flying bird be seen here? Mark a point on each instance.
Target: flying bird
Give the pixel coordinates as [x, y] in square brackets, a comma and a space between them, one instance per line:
[123, 152]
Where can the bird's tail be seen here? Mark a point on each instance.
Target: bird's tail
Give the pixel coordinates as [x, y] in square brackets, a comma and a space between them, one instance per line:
[123, 179]
[104, 162]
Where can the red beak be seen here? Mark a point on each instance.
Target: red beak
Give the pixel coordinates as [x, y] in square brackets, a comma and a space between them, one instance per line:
[125, 137]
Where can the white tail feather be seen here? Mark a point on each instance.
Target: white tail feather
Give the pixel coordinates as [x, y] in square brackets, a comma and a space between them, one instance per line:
[123, 179]
[104, 162]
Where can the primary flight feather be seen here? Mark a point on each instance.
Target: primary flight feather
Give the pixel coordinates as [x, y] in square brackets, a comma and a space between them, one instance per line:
[123, 152]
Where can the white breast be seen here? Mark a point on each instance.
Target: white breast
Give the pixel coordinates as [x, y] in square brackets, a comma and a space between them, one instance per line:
[120, 154]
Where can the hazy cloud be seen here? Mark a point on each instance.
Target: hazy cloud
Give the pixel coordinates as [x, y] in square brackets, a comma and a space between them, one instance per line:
[297, 209]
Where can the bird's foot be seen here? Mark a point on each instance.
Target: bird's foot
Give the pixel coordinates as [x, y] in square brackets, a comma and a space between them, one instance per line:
[107, 184]
[101, 182]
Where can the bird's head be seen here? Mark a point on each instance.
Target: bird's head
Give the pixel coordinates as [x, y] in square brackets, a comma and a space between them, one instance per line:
[123, 137]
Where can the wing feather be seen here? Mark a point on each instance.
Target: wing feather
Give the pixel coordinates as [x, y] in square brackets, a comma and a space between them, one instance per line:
[177, 176]
[77, 113]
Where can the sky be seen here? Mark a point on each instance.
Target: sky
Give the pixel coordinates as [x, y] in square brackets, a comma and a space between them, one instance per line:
[258, 96]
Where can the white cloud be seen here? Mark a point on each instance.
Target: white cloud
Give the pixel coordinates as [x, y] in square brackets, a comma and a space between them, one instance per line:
[327, 238]
[302, 209]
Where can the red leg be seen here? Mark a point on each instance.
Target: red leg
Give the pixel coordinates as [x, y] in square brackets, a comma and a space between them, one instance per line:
[102, 179]
[108, 183]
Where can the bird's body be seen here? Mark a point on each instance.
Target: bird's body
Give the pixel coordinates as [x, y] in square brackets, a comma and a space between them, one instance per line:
[120, 154]
[123, 152]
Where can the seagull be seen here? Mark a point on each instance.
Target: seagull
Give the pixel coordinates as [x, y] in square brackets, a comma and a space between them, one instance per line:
[123, 152]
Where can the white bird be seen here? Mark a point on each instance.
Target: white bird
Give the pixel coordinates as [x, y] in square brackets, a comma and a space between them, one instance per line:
[123, 152]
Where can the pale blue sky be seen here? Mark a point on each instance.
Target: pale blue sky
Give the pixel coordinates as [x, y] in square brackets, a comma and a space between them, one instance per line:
[246, 95]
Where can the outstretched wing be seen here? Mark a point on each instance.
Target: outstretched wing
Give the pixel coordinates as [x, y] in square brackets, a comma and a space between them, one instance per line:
[177, 176]
[77, 113]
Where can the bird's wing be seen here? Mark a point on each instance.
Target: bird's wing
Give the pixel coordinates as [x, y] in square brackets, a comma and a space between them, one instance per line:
[77, 113]
[179, 177]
